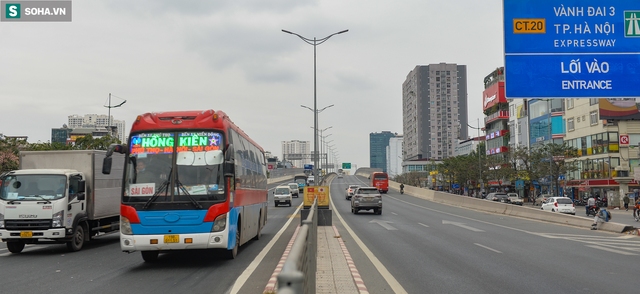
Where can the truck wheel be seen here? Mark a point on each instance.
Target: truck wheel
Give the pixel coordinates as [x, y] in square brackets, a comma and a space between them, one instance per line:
[150, 256]
[15, 246]
[77, 240]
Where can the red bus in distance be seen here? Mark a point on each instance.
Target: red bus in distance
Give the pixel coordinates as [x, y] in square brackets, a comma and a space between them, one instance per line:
[380, 180]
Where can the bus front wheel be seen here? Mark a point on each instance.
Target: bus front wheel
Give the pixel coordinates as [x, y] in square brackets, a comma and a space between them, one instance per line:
[231, 254]
[150, 256]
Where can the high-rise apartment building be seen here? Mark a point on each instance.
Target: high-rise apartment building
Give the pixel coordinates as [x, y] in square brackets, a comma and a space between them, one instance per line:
[394, 156]
[496, 111]
[97, 121]
[378, 143]
[297, 152]
[434, 110]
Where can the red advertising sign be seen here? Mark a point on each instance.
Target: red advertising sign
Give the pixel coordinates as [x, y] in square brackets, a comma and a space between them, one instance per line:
[493, 95]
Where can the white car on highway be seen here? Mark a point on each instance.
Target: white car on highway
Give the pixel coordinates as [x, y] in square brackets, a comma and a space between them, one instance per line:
[559, 204]
[282, 194]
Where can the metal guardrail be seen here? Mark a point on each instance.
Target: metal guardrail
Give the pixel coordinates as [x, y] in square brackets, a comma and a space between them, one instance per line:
[298, 273]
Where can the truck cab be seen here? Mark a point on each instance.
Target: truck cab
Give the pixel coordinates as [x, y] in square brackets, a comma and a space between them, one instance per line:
[40, 204]
[48, 201]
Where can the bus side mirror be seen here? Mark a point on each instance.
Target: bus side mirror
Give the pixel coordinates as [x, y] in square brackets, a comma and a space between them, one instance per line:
[106, 165]
[229, 161]
[229, 153]
[229, 169]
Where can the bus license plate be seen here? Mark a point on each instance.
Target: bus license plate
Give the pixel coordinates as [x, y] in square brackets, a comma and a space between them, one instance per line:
[26, 234]
[171, 238]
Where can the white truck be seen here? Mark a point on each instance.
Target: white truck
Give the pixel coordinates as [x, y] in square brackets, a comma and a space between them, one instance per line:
[59, 197]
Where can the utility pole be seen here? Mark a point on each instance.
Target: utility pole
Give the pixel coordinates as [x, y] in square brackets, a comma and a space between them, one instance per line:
[109, 113]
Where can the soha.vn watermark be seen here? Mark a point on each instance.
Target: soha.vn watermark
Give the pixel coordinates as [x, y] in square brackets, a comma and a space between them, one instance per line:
[35, 11]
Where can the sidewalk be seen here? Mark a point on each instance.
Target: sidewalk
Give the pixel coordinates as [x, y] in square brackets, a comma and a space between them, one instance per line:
[336, 273]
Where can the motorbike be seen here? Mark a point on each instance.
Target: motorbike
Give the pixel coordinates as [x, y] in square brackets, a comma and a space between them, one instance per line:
[401, 190]
[591, 211]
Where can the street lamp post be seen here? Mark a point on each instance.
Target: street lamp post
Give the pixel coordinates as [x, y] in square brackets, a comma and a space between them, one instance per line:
[479, 158]
[332, 159]
[323, 149]
[315, 42]
[326, 160]
[550, 147]
[321, 142]
[315, 138]
[109, 114]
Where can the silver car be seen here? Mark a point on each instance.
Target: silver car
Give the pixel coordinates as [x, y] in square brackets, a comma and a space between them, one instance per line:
[294, 189]
[366, 198]
[350, 190]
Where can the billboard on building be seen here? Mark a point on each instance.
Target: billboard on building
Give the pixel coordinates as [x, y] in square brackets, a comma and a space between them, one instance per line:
[493, 95]
[619, 108]
[521, 111]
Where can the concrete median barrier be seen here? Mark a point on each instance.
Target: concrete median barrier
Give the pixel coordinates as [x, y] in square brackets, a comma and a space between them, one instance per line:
[279, 179]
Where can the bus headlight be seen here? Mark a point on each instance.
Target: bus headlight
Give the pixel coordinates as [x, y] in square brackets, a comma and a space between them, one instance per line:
[220, 223]
[58, 219]
[125, 226]
[1, 221]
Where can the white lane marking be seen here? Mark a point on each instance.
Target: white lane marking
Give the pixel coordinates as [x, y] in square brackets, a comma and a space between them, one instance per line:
[546, 235]
[423, 225]
[394, 213]
[611, 250]
[242, 279]
[461, 225]
[488, 248]
[388, 277]
[384, 224]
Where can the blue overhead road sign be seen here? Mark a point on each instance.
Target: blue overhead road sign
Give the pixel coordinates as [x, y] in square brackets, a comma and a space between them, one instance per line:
[572, 48]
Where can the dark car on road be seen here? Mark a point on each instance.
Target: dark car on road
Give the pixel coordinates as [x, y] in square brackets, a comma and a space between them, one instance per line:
[498, 197]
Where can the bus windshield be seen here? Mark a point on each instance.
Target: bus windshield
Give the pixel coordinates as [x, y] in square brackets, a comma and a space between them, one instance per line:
[160, 171]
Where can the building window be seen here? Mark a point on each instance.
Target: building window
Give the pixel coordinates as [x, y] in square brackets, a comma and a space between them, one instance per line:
[519, 128]
[570, 125]
[594, 117]
[570, 103]
[593, 101]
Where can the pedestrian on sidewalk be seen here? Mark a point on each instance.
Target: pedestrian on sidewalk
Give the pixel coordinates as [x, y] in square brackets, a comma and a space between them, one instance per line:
[625, 199]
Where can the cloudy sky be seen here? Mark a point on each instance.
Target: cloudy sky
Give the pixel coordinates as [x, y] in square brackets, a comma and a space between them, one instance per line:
[164, 55]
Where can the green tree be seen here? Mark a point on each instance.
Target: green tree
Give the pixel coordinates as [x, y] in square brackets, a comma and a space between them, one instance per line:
[9, 151]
